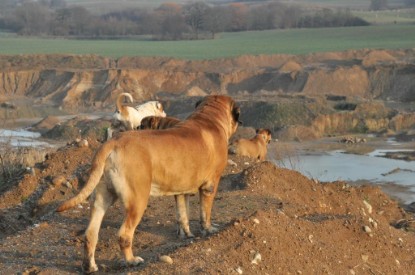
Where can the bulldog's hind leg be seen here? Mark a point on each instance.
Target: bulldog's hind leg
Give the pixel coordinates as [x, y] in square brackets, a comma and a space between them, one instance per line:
[103, 199]
[182, 214]
[134, 208]
[207, 194]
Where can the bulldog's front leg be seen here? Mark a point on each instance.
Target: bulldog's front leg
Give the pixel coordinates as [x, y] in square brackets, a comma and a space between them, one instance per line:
[182, 214]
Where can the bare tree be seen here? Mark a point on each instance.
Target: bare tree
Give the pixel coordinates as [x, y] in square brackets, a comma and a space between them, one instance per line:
[378, 4]
[216, 20]
[261, 17]
[291, 17]
[74, 20]
[32, 18]
[147, 22]
[171, 21]
[53, 4]
[195, 15]
[238, 15]
[6, 6]
[57, 4]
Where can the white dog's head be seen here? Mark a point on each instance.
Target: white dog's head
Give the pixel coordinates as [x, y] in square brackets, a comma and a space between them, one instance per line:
[129, 118]
[153, 108]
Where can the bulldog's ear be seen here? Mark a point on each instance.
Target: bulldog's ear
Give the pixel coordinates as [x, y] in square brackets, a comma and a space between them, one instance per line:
[159, 105]
[236, 111]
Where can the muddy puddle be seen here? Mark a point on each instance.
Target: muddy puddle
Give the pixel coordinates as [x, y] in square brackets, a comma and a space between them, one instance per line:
[396, 177]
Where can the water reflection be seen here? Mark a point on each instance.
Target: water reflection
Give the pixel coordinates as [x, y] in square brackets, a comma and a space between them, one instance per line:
[337, 165]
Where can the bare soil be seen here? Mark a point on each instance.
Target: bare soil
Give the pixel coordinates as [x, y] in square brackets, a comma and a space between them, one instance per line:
[272, 221]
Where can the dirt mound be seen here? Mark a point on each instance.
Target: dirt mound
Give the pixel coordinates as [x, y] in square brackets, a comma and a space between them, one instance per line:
[350, 81]
[290, 66]
[374, 57]
[329, 56]
[196, 91]
[79, 127]
[294, 219]
[271, 220]
[45, 124]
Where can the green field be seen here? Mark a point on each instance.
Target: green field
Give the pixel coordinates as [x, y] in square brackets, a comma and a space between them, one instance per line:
[292, 41]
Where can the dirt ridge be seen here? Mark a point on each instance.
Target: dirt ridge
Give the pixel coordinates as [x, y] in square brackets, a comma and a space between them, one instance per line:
[90, 81]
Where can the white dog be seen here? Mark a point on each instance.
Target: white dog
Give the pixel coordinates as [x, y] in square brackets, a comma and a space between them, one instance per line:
[129, 118]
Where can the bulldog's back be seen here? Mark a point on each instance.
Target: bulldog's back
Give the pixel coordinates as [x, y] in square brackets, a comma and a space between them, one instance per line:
[179, 160]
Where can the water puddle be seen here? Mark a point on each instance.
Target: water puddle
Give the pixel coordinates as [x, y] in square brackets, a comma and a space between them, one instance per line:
[384, 152]
[393, 142]
[22, 138]
[337, 165]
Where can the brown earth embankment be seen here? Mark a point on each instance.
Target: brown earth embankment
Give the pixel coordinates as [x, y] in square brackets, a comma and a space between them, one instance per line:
[93, 81]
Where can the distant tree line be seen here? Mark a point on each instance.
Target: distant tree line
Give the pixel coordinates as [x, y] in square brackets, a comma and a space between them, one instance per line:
[169, 21]
[383, 4]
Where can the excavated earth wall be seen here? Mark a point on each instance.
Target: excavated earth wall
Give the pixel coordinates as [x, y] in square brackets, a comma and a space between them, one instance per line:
[93, 81]
[297, 96]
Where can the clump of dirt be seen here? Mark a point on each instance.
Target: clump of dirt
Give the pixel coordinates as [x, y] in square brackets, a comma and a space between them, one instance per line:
[272, 220]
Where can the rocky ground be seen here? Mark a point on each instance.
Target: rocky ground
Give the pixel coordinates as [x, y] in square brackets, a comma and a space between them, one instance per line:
[272, 221]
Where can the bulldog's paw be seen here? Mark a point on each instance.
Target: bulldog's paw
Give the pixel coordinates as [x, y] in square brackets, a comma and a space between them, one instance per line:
[89, 268]
[183, 234]
[132, 262]
[208, 231]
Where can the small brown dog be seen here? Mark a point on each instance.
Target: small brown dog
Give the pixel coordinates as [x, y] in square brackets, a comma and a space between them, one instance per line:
[255, 147]
[158, 123]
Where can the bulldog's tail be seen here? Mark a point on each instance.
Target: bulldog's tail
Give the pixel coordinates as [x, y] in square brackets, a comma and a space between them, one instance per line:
[120, 100]
[97, 169]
